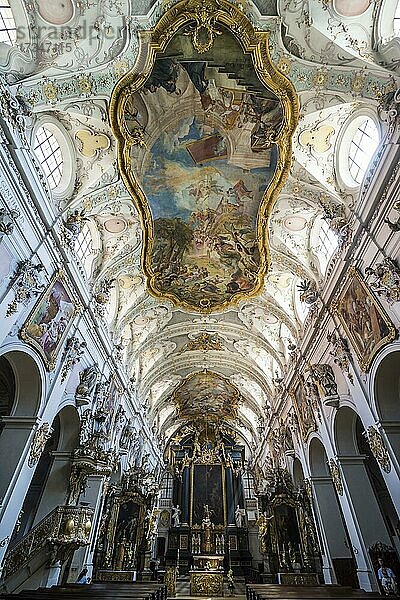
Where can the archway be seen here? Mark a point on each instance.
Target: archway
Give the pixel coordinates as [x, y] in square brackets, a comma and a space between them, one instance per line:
[339, 555]
[49, 485]
[20, 396]
[365, 486]
[387, 398]
[298, 473]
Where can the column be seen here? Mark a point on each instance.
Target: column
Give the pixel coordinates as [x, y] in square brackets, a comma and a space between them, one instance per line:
[185, 495]
[334, 540]
[56, 488]
[230, 500]
[364, 511]
[92, 497]
[13, 441]
[15, 475]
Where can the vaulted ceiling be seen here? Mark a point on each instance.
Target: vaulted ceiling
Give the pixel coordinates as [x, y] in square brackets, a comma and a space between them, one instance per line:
[330, 58]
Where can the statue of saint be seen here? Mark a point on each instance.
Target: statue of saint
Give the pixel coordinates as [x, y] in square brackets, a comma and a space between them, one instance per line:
[175, 516]
[239, 516]
[87, 383]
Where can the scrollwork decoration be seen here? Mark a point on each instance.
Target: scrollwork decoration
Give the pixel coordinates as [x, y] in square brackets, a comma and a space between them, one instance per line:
[38, 443]
[336, 476]
[378, 448]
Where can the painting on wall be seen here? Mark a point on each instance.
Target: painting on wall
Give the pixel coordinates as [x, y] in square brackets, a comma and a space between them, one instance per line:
[304, 409]
[50, 320]
[204, 156]
[207, 489]
[365, 322]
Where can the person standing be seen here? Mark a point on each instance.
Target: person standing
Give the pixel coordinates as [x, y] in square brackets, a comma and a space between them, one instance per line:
[387, 578]
[83, 577]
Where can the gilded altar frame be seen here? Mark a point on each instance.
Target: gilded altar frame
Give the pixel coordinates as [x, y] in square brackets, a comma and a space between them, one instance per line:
[363, 319]
[204, 16]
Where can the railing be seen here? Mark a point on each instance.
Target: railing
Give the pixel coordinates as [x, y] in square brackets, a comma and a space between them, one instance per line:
[66, 527]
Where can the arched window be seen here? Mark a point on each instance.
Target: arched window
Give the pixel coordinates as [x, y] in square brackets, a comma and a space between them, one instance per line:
[83, 244]
[8, 29]
[362, 148]
[328, 241]
[48, 152]
[326, 246]
[396, 20]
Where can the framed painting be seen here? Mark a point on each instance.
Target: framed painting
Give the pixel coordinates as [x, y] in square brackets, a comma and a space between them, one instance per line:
[304, 409]
[362, 317]
[49, 322]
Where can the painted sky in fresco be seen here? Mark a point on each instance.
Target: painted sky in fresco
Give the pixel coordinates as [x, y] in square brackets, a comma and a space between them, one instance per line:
[176, 186]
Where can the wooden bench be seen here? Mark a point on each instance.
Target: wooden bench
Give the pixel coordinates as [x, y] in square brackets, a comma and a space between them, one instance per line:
[269, 591]
[96, 591]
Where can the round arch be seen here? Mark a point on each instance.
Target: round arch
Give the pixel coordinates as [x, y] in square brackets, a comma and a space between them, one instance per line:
[50, 482]
[28, 383]
[298, 473]
[386, 387]
[318, 459]
[345, 431]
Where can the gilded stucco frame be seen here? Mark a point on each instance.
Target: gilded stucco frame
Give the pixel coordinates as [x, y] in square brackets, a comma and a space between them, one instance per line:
[29, 339]
[206, 15]
[364, 360]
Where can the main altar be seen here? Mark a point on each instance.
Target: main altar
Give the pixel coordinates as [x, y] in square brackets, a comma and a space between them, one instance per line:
[208, 533]
[207, 575]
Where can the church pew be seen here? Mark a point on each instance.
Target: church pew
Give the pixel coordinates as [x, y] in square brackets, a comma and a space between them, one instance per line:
[271, 591]
[97, 591]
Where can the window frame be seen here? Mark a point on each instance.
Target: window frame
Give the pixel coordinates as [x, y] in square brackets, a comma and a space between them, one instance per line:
[66, 186]
[342, 147]
[12, 40]
[52, 162]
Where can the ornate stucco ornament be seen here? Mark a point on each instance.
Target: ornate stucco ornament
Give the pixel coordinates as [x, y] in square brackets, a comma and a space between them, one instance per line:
[341, 354]
[74, 350]
[336, 476]
[203, 341]
[26, 285]
[386, 280]
[38, 443]
[308, 292]
[324, 378]
[378, 448]
[87, 383]
[72, 227]
[102, 295]
[204, 155]
[12, 109]
[7, 221]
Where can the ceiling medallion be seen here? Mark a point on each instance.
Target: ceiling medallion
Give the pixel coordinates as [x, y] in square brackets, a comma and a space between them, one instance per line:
[204, 129]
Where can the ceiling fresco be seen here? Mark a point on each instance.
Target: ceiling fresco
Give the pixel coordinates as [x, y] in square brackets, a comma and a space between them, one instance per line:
[204, 147]
[206, 396]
